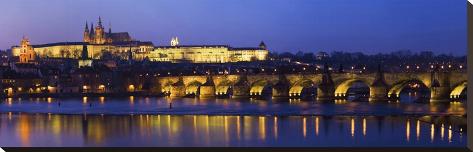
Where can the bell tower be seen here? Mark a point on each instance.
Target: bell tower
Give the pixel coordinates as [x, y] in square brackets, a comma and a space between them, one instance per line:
[99, 33]
[86, 33]
[27, 53]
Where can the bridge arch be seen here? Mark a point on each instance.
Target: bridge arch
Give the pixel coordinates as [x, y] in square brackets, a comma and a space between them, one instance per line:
[303, 87]
[224, 88]
[458, 89]
[396, 89]
[167, 87]
[342, 89]
[261, 87]
[193, 88]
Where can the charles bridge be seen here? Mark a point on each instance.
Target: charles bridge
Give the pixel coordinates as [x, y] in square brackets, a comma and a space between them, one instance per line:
[443, 86]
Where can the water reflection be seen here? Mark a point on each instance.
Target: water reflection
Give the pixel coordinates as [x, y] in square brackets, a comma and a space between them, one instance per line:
[364, 126]
[204, 130]
[143, 105]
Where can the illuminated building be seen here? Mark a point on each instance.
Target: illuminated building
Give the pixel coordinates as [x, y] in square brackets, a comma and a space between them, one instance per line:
[26, 52]
[207, 53]
[98, 42]
[84, 61]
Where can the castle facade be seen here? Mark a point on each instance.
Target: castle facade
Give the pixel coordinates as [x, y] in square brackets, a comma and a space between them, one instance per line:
[121, 44]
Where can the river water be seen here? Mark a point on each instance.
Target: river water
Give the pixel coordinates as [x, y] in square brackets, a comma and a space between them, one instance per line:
[149, 121]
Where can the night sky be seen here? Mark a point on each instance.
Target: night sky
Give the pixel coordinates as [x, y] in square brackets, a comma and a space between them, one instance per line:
[370, 26]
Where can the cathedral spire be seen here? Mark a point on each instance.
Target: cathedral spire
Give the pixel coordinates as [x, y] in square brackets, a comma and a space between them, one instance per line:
[100, 22]
[110, 28]
[86, 26]
[91, 28]
[262, 45]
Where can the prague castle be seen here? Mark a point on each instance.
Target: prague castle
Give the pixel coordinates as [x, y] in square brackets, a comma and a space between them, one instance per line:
[97, 41]
[99, 36]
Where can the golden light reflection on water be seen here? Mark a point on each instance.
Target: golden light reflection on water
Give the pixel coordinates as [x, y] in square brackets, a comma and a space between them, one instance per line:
[364, 126]
[203, 129]
[132, 100]
[169, 125]
[247, 126]
[449, 134]
[304, 127]
[340, 101]
[24, 130]
[316, 126]
[84, 100]
[238, 128]
[408, 130]
[194, 118]
[9, 115]
[262, 127]
[207, 129]
[9, 101]
[227, 138]
[352, 127]
[102, 100]
[432, 132]
[275, 127]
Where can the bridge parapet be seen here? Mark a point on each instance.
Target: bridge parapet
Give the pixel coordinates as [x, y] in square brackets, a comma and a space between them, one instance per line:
[297, 83]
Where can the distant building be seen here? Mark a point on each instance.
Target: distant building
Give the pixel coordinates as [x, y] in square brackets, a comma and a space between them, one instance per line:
[99, 36]
[97, 42]
[84, 61]
[26, 51]
[207, 53]
[4, 58]
[321, 55]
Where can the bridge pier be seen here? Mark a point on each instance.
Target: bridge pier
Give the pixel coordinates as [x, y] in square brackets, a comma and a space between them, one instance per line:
[241, 92]
[325, 93]
[379, 87]
[241, 89]
[281, 88]
[282, 92]
[207, 90]
[440, 87]
[378, 93]
[326, 89]
[178, 89]
[439, 94]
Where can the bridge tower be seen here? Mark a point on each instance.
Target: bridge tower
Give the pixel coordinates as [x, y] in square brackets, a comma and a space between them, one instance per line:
[440, 86]
[207, 90]
[178, 89]
[281, 88]
[241, 89]
[379, 87]
[326, 89]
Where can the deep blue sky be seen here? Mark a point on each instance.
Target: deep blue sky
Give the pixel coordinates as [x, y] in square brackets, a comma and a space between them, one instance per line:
[370, 26]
